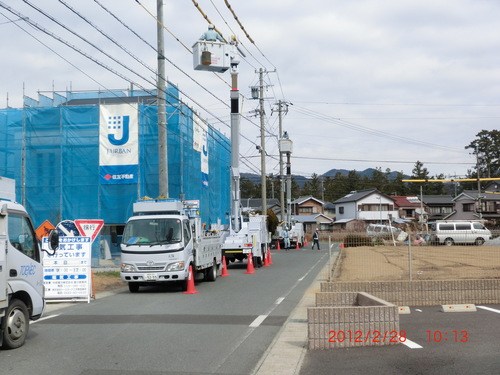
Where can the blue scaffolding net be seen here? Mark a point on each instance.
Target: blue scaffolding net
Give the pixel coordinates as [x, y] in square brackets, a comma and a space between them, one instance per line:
[53, 148]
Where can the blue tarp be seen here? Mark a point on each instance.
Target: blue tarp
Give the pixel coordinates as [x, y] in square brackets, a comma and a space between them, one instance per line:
[60, 168]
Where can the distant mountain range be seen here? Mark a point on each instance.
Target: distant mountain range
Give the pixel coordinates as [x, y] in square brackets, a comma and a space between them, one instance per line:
[301, 180]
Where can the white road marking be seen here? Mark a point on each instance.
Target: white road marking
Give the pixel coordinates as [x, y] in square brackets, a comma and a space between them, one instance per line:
[411, 344]
[279, 300]
[258, 321]
[489, 309]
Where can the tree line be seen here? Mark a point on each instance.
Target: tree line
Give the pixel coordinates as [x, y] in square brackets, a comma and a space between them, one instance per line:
[486, 148]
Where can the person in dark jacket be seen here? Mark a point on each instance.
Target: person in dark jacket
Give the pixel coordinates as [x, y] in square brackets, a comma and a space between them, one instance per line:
[316, 239]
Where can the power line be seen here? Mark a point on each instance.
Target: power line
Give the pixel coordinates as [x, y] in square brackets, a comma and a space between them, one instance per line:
[366, 130]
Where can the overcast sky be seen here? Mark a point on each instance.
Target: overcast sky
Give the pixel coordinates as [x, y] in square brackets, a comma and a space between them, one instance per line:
[371, 84]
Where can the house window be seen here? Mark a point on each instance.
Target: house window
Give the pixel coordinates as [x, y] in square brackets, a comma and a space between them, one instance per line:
[468, 207]
[305, 210]
[341, 210]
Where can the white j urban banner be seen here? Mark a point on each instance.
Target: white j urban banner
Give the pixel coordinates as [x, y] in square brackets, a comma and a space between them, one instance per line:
[118, 143]
[200, 144]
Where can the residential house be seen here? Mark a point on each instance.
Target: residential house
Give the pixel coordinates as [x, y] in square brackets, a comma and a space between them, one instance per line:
[311, 222]
[329, 209]
[307, 206]
[369, 206]
[410, 208]
[438, 206]
[469, 205]
[255, 204]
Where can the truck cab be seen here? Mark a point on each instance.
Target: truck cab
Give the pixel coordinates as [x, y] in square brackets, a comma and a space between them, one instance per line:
[21, 274]
[162, 240]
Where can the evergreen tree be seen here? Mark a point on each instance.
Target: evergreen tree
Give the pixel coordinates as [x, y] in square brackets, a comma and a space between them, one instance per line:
[487, 149]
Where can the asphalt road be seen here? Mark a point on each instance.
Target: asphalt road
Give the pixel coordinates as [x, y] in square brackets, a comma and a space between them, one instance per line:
[224, 329]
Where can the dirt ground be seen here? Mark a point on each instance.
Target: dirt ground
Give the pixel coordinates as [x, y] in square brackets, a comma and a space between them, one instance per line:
[103, 281]
[387, 263]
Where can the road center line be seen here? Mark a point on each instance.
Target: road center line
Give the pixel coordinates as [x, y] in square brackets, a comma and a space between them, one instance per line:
[489, 309]
[258, 321]
[411, 344]
[279, 300]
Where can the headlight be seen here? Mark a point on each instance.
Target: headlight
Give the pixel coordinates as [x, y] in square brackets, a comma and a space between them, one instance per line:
[177, 266]
[127, 267]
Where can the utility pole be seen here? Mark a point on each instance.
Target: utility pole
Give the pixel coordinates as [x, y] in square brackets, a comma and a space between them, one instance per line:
[479, 208]
[262, 144]
[282, 178]
[162, 111]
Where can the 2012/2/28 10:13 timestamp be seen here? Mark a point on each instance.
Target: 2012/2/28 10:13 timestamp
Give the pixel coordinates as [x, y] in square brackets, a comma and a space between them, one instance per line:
[454, 336]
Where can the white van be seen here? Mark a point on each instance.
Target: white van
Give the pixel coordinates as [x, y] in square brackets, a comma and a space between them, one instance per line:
[380, 230]
[459, 232]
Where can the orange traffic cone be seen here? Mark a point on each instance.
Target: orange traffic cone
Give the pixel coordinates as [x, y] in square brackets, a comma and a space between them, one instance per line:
[250, 268]
[224, 267]
[190, 284]
[342, 245]
[266, 259]
[278, 247]
[269, 256]
[305, 241]
[297, 244]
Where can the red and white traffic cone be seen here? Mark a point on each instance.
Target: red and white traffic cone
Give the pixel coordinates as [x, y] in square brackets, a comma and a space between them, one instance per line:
[250, 268]
[190, 284]
[269, 256]
[266, 259]
[224, 267]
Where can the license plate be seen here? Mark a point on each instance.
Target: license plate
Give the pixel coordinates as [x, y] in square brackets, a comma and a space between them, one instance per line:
[247, 251]
[151, 276]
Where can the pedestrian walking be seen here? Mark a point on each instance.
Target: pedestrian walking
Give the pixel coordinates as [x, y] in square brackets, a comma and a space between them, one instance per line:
[316, 239]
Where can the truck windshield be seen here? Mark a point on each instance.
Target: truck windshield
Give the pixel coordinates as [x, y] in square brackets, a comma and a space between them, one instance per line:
[151, 232]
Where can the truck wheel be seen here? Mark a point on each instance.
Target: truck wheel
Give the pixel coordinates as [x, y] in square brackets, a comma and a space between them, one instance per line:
[479, 241]
[16, 325]
[133, 287]
[211, 273]
[449, 242]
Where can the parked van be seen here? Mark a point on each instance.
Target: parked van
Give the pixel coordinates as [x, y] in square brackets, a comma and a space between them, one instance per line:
[459, 232]
[381, 230]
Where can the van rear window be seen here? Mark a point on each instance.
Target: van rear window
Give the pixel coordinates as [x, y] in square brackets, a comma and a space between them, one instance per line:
[447, 227]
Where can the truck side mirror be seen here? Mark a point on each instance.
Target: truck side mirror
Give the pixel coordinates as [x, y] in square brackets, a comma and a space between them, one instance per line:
[54, 240]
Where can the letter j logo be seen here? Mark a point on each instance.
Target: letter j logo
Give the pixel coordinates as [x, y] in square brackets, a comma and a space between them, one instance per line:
[118, 130]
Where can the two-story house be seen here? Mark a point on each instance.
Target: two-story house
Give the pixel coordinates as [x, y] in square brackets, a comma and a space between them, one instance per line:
[469, 205]
[307, 206]
[370, 206]
[410, 208]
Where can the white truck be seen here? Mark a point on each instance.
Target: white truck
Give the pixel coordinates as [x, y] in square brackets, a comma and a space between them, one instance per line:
[21, 272]
[295, 234]
[252, 239]
[162, 240]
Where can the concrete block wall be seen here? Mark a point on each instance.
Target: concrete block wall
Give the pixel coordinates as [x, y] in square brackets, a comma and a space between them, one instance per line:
[424, 292]
[347, 322]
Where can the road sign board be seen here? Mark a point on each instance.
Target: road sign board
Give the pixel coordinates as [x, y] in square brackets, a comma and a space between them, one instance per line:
[44, 229]
[67, 228]
[89, 228]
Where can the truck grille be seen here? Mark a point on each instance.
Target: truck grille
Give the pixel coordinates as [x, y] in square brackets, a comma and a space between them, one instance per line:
[152, 268]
